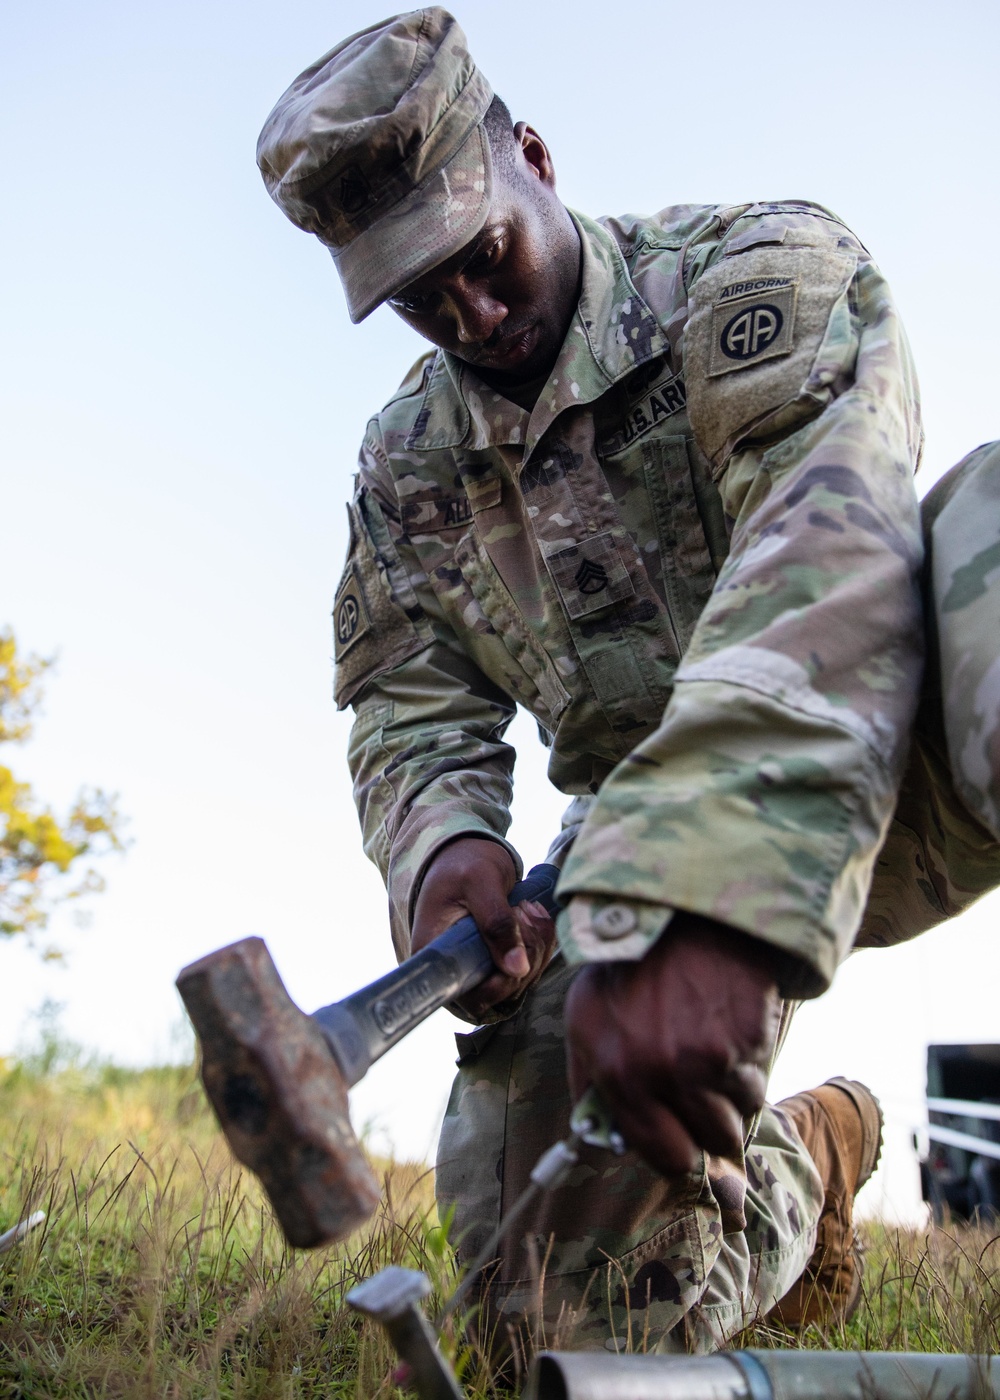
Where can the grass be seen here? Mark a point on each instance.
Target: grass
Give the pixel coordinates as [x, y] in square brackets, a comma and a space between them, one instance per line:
[159, 1273]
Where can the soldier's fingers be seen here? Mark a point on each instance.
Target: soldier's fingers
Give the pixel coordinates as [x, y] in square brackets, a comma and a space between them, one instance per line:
[713, 1122]
[532, 915]
[502, 935]
[712, 1102]
[538, 939]
[538, 932]
[467, 876]
[480, 889]
[649, 1122]
[658, 1135]
[496, 988]
[577, 1070]
[745, 1086]
[708, 1117]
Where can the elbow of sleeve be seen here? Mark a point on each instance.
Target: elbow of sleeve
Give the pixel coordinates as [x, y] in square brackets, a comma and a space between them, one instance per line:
[749, 813]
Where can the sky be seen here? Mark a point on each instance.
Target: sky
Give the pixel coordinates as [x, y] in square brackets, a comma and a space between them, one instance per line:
[181, 401]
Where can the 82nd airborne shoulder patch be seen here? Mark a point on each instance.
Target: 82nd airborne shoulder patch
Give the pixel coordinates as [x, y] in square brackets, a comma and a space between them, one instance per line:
[752, 321]
[350, 615]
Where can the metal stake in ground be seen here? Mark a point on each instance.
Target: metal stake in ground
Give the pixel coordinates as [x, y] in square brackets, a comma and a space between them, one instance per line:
[17, 1233]
[392, 1297]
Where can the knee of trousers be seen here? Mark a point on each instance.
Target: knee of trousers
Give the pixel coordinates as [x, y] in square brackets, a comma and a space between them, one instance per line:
[942, 852]
[616, 1252]
[964, 511]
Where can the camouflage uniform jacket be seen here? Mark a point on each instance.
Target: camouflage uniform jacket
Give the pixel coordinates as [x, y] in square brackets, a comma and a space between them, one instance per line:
[695, 562]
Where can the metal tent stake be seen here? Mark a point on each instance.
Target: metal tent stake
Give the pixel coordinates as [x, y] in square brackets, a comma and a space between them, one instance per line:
[17, 1233]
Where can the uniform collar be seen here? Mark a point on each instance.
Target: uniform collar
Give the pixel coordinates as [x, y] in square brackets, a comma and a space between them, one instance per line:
[612, 332]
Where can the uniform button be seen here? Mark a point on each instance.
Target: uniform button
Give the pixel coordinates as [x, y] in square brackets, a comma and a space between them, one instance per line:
[614, 921]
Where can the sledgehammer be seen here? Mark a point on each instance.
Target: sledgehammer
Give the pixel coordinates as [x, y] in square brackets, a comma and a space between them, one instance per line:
[278, 1079]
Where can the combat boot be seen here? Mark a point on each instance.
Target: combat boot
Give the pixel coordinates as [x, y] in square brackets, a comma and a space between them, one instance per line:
[841, 1126]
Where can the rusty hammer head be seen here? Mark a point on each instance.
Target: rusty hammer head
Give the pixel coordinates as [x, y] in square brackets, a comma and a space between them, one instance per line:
[278, 1093]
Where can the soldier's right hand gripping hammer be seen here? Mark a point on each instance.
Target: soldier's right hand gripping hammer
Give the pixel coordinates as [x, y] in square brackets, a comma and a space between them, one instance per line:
[278, 1079]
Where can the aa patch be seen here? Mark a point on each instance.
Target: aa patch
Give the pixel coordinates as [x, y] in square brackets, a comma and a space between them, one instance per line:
[350, 615]
[752, 321]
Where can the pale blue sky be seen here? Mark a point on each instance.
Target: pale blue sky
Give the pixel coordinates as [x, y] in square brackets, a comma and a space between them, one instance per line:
[182, 398]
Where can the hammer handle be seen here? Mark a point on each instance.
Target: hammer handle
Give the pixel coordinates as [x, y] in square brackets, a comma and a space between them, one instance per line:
[362, 1027]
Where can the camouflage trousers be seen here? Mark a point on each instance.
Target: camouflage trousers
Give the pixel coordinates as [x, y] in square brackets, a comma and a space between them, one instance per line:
[619, 1256]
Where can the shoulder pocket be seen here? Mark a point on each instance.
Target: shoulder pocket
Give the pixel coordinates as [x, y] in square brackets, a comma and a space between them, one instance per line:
[377, 622]
[768, 343]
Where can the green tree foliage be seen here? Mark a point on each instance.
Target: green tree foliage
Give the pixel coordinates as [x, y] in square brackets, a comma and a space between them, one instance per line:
[43, 860]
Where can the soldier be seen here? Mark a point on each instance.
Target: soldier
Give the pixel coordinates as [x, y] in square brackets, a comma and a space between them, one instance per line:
[653, 483]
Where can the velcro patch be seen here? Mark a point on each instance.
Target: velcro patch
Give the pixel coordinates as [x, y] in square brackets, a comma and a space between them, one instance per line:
[436, 512]
[350, 614]
[768, 310]
[590, 575]
[752, 321]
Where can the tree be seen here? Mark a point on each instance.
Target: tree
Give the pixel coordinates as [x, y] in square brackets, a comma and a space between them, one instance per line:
[43, 861]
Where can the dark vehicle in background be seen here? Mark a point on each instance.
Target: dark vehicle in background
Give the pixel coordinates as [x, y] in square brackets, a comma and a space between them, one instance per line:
[960, 1175]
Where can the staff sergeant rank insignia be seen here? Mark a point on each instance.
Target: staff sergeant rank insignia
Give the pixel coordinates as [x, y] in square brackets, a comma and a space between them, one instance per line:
[751, 322]
[591, 577]
[350, 616]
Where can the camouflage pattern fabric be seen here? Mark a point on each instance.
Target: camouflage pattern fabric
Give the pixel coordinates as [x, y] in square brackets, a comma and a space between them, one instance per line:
[966, 580]
[943, 852]
[618, 1256]
[379, 149]
[696, 562]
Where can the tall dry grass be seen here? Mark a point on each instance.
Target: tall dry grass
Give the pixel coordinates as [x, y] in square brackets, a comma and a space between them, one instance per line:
[159, 1273]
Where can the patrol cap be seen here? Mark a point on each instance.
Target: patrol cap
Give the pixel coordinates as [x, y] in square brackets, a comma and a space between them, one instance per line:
[379, 150]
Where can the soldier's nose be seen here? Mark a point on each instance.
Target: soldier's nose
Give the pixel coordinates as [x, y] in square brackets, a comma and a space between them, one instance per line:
[477, 318]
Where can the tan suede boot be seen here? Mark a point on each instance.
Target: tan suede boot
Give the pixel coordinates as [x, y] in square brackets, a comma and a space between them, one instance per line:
[841, 1126]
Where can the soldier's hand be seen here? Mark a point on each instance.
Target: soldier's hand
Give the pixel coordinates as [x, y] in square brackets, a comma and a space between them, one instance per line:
[474, 876]
[678, 1044]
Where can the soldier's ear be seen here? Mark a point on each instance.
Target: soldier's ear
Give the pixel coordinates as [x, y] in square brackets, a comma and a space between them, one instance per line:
[535, 153]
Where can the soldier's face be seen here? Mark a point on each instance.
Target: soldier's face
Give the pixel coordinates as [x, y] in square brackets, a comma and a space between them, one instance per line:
[503, 303]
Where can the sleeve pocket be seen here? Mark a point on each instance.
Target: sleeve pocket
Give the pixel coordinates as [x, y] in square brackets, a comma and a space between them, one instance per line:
[372, 630]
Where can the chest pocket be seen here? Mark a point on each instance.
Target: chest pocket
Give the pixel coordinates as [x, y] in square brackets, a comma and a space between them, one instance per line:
[690, 527]
[590, 575]
[532, 679]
